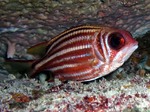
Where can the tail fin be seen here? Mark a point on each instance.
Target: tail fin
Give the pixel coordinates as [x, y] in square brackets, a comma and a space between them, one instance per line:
[18, 66]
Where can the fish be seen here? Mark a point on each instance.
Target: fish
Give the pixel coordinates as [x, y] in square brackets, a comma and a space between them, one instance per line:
[82, 53]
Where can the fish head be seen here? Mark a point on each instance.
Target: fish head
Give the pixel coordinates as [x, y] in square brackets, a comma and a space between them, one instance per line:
[121, 46]
[112, 48]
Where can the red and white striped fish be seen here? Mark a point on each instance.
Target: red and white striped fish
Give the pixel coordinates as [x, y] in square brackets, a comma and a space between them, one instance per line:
[84, 53]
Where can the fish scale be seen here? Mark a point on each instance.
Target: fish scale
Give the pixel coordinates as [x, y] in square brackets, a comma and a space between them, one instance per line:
[80, 44]
[70, 65]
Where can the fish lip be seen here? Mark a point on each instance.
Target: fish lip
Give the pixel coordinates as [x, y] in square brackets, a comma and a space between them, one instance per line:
[135, 45]
[132, 49]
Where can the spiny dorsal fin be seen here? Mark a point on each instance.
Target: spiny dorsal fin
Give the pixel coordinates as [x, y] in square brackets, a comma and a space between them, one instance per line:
[38, 49]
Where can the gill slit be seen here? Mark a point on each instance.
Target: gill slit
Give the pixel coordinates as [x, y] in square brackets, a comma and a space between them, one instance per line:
[107, 47]
[96, 48]
[104, 49]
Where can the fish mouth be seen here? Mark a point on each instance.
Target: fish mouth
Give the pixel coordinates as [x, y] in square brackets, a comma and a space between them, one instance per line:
[134, 46]
[129, 51]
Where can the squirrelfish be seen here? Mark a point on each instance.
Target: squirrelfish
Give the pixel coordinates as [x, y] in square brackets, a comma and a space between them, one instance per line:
[83, 53]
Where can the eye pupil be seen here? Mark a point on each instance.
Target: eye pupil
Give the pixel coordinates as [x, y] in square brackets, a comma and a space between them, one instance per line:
[116, 41]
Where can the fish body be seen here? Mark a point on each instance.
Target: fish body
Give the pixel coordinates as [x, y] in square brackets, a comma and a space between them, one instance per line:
[85, 53]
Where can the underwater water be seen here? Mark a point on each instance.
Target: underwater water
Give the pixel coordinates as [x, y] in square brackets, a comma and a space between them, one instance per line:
[25, 23]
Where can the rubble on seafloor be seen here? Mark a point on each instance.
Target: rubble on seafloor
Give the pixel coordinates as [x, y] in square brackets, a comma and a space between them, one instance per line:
[103, 96]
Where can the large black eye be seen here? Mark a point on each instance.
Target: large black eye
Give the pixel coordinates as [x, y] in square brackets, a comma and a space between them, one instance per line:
[116, 41]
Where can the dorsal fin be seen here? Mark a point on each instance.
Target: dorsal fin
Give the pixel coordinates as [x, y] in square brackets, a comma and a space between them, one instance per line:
[18, 66]
[38, 49]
